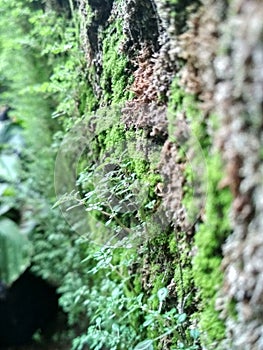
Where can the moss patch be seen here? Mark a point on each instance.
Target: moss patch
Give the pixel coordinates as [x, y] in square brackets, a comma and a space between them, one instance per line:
[209, 239]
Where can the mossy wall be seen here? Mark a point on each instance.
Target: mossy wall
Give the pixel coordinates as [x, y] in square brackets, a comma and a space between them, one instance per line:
[158, 138]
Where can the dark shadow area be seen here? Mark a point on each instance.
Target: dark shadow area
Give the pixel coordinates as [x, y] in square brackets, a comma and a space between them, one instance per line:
[29, 305]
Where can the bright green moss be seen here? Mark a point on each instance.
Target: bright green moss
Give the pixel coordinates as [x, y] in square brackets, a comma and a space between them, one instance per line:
[210, 235]
[114, 138]
[209, 239]
[114, 78]
[88, 101]
[173, 245]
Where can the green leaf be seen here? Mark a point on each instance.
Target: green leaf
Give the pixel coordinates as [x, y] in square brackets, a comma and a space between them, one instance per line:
[5, 208]
[9, 167]
[181, 318]
[148, 322]
[162, 294]
[194, 333]
[15, 251]
[144, 345]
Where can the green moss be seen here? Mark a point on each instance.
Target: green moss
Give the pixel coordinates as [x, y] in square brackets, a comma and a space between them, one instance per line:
[175, 105]
[205, 271]
[114, 78]
[173, 245]
[232, 310]
[209, 239]
[114, 139]
[137, 284]
[88, 102]
[182, 102]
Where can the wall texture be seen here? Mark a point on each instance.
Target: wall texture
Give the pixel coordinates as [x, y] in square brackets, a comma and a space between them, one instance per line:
[197, 84]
